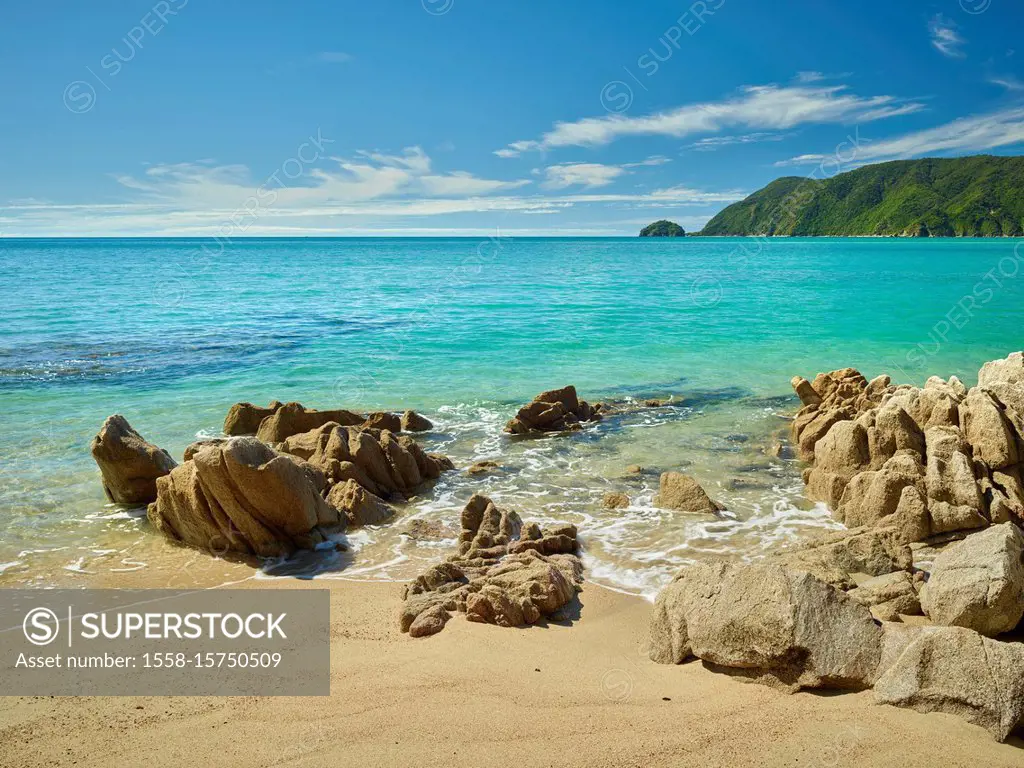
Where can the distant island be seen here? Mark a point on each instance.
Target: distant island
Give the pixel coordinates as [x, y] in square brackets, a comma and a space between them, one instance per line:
[663, 228]
[978, 196]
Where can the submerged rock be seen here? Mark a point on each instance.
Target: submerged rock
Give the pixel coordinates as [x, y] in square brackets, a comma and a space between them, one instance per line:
[957, 671]
[682, 492]
[505, 573]
[767, 623]
[242, 496]
[978, 583]
[615, 500]
[557, 410]
[129, 465]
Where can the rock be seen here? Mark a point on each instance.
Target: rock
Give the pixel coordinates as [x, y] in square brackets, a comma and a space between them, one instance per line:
[634, 469]
[889, 596]
[838, 456]
[383, 464]
[414, 422]
[954, 500]
[504, 573]
[555, 411]
[380, 420]
[428, 530]
[767, 623]
[192, 448]
[835, 557]
[978, 583]
[959, 672]
[984, 427]
[128, 464]
[1004, 379]
[430, 622]
[871, 496]
[615, 500]
[805, 391]
[243, 496]
[683, 493]
[482, 467]
[358, 505]
[245, 418]
[293, 419]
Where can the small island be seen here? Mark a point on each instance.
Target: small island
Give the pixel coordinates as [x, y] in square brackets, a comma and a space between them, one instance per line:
[663, 228]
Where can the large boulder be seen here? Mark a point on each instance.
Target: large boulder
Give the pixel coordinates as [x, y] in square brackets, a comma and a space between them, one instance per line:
[979, 582]
[957, 671]
[504, 573]
[557, 410]
[954, 499]
[358, 505]
[414, 422]
[245, 418]
[242, 496]
[989, 433]
[293, 419]
[767, 623]
[682, 492]
[128, 464]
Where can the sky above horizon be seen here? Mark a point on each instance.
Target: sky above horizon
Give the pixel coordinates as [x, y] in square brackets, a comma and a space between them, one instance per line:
[466, 117]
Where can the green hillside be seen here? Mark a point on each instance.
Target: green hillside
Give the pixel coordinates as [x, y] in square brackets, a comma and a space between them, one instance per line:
[974, 196]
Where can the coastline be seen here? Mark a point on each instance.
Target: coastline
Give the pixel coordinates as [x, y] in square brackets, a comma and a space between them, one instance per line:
[579, 693]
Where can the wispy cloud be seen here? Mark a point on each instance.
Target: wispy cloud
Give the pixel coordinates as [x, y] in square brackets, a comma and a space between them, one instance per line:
[765, 107]
[945, 37]
[711, 143]
[1009, 82]
[593, 175]
[965, 135]
[365, 192]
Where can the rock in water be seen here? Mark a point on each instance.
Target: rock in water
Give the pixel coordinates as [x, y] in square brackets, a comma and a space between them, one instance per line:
[414, 422]
[358, 505]
[245, 418]
[505, 573]
[128, 464]
[683, 493]
[978, 583]
[957, 671]
[242, 496]
[766, 623]
[558, 410]
[615, 500]
[293, 419]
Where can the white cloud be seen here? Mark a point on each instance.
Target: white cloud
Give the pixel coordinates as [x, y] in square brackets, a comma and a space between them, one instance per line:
[963, 135]
[711, 143]
[809, 77]
[1009, 82]
[945, 37]
[765, 107]
[588, 175]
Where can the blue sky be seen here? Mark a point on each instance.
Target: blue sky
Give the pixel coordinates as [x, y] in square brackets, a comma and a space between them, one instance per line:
[476, 117]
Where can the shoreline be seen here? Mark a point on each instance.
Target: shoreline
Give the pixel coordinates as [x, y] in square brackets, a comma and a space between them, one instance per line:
[566, 694]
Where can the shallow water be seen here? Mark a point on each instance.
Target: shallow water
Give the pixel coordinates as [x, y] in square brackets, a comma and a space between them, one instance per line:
[170, 335]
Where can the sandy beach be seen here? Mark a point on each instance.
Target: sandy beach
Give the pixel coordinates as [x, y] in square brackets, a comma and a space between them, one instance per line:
[559, 695]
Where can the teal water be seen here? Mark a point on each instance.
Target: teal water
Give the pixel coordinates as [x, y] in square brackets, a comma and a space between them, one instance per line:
[171, 332]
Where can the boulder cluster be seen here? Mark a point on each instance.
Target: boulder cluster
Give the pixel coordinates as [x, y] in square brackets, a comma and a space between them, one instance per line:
[925, 461]
[897, 465]
[303, 476]
[505, 572]
[558, 410]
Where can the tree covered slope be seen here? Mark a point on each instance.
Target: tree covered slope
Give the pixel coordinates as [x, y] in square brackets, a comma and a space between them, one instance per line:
[981, 195]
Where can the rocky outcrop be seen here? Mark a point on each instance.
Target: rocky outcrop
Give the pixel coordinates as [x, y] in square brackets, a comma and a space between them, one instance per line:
[504, 573]
[293, 419]
[128, 464]
[681, 492]
[962, 673]
[925, 461]
[242, 496]
[978, 583]
[558, 410]
[836, 557]
[385, 464]
[414, 422]
[245, 418]
[767, 623]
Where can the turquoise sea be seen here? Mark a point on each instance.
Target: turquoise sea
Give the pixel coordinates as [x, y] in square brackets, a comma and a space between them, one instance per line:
[171, 332]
